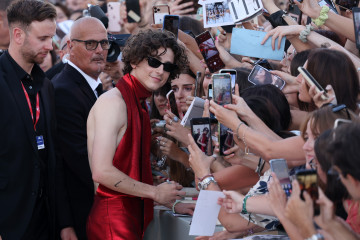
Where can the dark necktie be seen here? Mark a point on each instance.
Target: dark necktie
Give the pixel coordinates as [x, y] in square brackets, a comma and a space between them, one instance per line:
[99, 89]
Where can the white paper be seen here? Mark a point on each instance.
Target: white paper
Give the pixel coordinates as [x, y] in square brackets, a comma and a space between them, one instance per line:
[206, 213]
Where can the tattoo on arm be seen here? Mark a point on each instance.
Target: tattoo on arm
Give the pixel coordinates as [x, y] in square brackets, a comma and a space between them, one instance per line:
[116, 184]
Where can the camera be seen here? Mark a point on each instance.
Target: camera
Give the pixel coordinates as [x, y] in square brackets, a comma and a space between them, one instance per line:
[116, 40]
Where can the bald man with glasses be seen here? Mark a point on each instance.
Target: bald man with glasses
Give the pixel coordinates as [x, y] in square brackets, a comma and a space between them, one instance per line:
[77, 87]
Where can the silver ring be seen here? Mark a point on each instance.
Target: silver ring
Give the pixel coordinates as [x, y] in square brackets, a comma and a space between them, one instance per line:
[176, 119]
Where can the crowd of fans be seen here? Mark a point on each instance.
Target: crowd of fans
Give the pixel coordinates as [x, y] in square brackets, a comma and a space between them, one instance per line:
[296, 123]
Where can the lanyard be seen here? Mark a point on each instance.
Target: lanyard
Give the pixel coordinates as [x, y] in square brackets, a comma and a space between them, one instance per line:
[37, 106]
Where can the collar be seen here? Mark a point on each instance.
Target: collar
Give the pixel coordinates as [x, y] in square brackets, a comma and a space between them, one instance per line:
[91, 81]
[37, 74]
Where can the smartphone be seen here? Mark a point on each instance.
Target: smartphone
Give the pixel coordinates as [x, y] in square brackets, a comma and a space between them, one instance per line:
[264, 63]
[210, 53]
[201, 132]
[308, 181]
[347, 4]
[171, 24]
[356, 17]
[311, 81]
[197, 81]
[133, 11]
[260, 76]
[221, 88]
[114, 16]
[210, 92]
[159, 12]
[221, 84]
[280, 168]
[172, 101]
[233, 75]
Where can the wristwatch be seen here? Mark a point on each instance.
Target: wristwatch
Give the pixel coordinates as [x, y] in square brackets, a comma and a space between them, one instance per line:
[203, 185]
[317, 236]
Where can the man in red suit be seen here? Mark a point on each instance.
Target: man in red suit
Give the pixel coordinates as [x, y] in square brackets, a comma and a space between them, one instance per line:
[119, 137]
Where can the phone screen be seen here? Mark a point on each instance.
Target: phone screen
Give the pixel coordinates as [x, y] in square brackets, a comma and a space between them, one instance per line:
[209, 51]
[308, 182]
[261, 76]
[232, 73]
[172, 101]
[280, 168]
[222, 88]
[171, 24]
[210, 92]
[201, 132]
[356, 17]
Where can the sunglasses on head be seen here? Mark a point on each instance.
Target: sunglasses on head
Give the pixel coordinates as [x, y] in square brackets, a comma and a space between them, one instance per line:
[155, 63]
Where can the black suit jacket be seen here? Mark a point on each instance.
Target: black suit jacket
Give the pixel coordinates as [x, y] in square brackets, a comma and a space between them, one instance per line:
[74, 99]
[19, 159]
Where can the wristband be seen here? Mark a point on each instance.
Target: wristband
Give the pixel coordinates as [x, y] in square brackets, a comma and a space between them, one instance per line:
[237, 129]
[319, 21]
[173, 206]
[244, 211]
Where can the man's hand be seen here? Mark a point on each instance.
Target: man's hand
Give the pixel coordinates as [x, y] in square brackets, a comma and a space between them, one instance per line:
[67, 234]
[168, 192]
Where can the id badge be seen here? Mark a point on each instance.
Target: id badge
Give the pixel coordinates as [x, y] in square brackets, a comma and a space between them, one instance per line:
[40, 142]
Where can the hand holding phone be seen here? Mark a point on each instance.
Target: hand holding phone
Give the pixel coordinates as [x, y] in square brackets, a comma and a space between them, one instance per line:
[209, 51]
[312, 82]
[280, 168]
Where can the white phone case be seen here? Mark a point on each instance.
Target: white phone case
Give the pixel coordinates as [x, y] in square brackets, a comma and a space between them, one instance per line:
[114, 17]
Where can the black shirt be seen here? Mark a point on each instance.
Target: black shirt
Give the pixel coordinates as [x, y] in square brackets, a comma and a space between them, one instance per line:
[32, 84]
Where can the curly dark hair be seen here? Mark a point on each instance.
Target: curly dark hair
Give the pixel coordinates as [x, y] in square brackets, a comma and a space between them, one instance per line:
[147, 43]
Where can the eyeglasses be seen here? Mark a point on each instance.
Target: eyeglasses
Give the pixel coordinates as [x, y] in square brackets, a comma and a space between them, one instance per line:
[93, 44]
[154, 63]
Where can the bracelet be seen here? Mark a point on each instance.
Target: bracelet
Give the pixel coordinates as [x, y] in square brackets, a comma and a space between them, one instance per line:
[260, 166]
[304, 33]
[244, 211]
[323, 16]
[206, 176]
[173, 206]
[237, 129]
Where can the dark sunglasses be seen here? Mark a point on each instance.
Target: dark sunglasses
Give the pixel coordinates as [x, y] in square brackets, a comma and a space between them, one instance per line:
[93, 44]
[154, 63]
